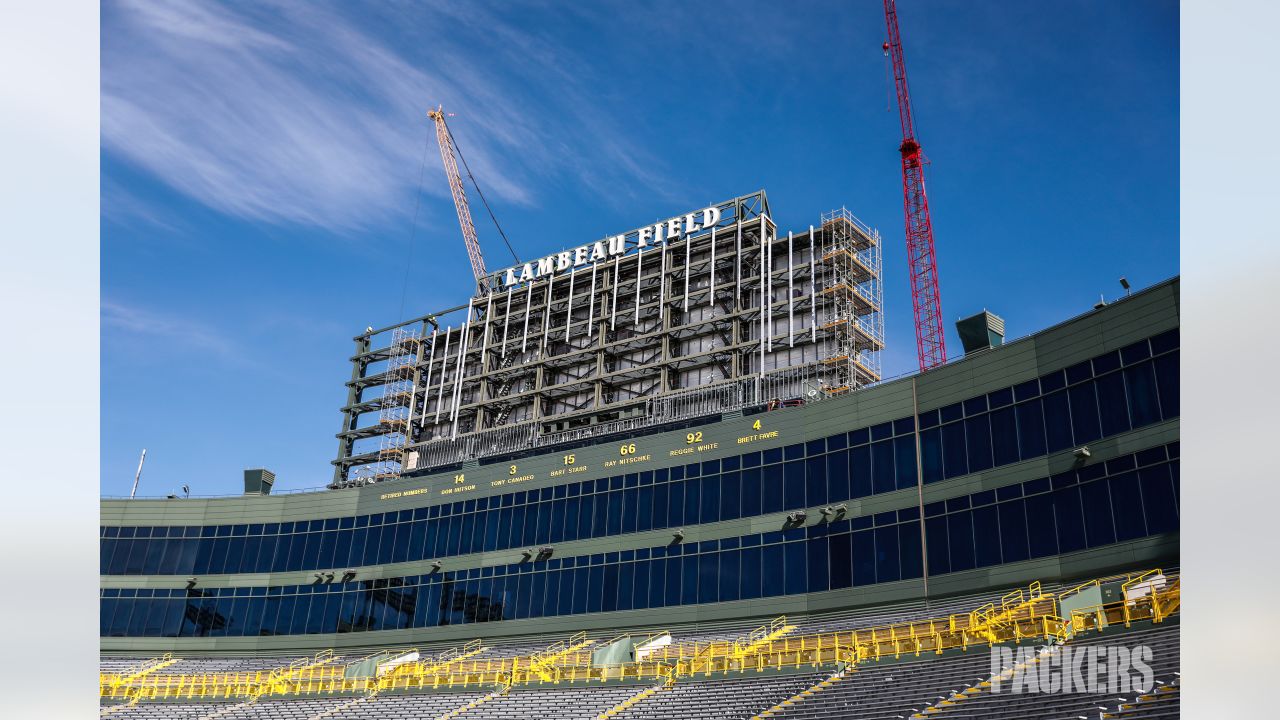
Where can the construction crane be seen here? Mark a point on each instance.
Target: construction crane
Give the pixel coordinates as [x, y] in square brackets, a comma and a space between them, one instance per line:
[447, 152]
[931, 347]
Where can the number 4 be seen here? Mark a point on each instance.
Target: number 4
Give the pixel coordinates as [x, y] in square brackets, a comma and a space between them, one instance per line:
[755, 425]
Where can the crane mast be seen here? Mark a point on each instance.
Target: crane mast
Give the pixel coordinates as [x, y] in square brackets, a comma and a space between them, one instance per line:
[925, 301]
[447, 152]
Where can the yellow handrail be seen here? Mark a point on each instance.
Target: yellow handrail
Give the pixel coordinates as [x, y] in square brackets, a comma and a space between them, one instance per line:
[1020, 615]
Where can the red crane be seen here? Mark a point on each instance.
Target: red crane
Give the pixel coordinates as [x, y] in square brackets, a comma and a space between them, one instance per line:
[931, 346]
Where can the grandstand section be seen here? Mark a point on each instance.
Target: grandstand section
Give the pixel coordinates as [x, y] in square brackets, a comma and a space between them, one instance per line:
[780, 546]
[921, 665]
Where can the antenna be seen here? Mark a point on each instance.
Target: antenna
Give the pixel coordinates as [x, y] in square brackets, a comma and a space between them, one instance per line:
[138, 475]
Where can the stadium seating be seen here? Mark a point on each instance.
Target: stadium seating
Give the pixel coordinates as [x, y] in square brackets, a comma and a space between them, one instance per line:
[819, 666]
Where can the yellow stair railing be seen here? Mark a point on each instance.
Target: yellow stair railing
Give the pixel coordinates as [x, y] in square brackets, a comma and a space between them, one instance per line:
[1023, 614]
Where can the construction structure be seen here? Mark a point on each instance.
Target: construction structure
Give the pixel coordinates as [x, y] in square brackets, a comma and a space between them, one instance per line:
[702, 314]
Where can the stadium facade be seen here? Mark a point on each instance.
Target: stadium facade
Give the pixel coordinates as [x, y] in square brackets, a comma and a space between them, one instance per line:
[693, 462]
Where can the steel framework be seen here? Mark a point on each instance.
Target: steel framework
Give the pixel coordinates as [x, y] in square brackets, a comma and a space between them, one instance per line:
[732, 315]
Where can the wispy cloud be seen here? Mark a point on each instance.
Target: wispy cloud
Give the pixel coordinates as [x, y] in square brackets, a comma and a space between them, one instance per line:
[180, 334]
[298, 113]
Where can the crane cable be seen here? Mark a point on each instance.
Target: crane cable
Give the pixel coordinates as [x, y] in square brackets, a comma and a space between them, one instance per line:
[479, 192]
[413, 233]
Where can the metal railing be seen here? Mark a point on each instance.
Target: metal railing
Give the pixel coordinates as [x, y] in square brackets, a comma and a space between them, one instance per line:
[1020, 615]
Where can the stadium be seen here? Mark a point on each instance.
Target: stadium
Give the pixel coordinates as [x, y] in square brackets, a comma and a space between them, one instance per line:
[663, 475]
[689, 495]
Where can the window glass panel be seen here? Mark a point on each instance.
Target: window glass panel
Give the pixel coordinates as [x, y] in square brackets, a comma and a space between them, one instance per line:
[1042, 533]
[937, 545]
[1112, 404]
[1030, 429]
[1126, 501]
[818, 556]
[960, 537]
[749, 587]
[687, 582]
[977, 432]
[771, 489]
[614, 521]
[1004, 436]
[909, 547]
[986, 535]
[661, 505]
[672, 581]
[625, 587]
[816, 480]
[795, 568]
[840, 560]
[904, 451]
[883, 478]
[1057, 421]
[629, 507]
[710, 498]
[1166, 368]
[794, 480]
[1158, 499]
[931, 455]
[729, 575]
[1013, 531]
[708, 586]
[676, 503]
[1084, 413]
[860, 471]
[953, 450]
[730, 496]
[644, 508]
[863, 552]
[1140, 386]
[750, 492]
[838, 476]
[1098, 526]
[1070, 519]
[888, 564]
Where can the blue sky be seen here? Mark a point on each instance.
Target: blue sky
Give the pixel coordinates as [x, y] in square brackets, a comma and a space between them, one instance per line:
[261, 165]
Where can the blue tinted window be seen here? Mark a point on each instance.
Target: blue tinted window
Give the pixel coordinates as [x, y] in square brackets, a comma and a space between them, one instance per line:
[838, 476]
[1106, 363]
[860, 471]
[1000, 398]
[863, 552]
[1070, 518]
[1042, 533]
[953, 450]
[888, 563]
[1158, 499]
[1031, 429]
[1140, 386]
[1084, 413]
[978, 443]
[1166, 382]
[960, 539]
[931, 455]
[904, 451]
[1112, 404]
[1004, 436]
[1013, 531]
[1165, 341]
[1057, 421]
[883, 478]
[986, 536]
[1098, 525]
[937, 545]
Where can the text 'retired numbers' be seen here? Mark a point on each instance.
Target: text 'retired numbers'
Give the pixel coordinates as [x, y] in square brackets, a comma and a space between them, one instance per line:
[693, 437]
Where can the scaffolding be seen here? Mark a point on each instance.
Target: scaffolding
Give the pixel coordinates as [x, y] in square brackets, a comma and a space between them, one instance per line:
[707, 321]
[395, 407]
[854, 314]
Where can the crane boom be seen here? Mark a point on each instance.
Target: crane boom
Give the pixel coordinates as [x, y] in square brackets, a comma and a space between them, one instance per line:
[931, 346]
[447, 152]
